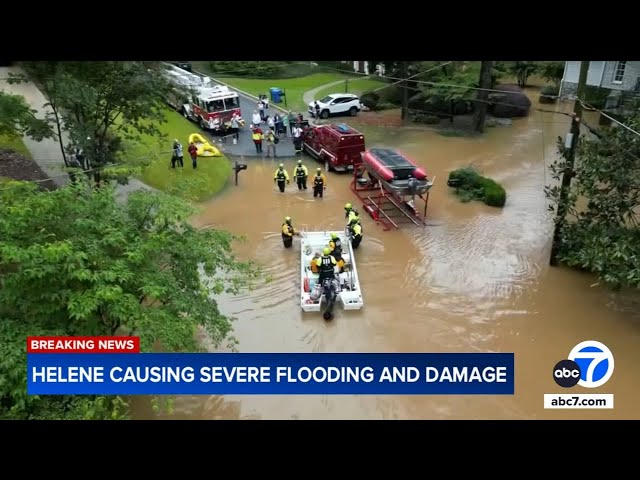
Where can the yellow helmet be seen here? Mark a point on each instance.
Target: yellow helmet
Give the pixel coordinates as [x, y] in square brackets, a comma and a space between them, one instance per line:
[287, 219]
[326, 251]
[318, 170]
[281, 165]
[348, 206]
[334, 236]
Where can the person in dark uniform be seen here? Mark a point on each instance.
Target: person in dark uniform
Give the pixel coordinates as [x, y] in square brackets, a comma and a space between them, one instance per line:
[301, 173]
[326, 265]
[319, 183]
[280, 177]
[356, 235]
[335, 247]
[288, 232]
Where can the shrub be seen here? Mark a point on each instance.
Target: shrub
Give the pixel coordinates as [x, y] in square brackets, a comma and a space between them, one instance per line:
[370, 100]
[549, 94]
[470, 185]
[596, 96]
[425, 118]
[261, 69]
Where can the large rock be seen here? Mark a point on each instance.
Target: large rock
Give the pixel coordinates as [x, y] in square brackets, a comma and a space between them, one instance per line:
[510, 104]
[437, 106]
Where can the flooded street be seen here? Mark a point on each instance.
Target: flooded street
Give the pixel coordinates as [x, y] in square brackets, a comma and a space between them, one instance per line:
[475, 280]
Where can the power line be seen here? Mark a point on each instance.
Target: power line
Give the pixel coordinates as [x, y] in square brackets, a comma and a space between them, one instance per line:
[593, 109]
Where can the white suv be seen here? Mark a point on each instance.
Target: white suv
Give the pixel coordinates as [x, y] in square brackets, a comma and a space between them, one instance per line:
[337, 104]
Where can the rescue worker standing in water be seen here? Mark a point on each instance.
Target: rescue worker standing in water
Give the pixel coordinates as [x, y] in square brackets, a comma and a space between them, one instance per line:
[280, 177]
[319, 183]
[356, 235]
[348, 210]
[288, 232]
[301, 173]
[335, 247]
[326, 265]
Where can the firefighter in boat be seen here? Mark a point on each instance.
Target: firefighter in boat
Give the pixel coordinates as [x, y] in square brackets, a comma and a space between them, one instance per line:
[288, 232]
[326, 266]
[335, 248]
[301, 173]
[280, 177]
[319, 183]
[355, 233]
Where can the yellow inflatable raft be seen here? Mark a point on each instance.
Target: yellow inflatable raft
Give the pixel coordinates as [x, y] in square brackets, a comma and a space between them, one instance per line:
[205, 149]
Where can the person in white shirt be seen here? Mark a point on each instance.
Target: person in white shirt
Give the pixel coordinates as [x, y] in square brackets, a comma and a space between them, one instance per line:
[270, 123]
[255, 119]
[297, 138]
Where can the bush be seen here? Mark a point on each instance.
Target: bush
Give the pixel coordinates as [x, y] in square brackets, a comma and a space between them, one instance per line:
[596, 96]
[470, 185]
[425, 118]
[549, 94]
[370, 100]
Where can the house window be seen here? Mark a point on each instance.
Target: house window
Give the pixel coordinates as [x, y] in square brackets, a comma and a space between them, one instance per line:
[618, 74]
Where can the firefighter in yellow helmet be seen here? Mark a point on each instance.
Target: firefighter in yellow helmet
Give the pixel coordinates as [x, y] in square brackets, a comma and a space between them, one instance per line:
[356, 235]
[348, 208]
[288, 232]
[301, 173]
[319, 183]
[326, 265]
[280, 177]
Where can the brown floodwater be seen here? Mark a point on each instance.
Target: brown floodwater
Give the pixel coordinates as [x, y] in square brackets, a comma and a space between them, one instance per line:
[475, 280]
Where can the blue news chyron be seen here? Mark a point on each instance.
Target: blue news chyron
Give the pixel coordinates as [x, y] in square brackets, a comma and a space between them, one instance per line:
[271, 374]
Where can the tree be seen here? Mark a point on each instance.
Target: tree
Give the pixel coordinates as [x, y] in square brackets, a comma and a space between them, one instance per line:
[482, 105]
[102, 104]
[552, 72]
[522, 71]
[601, 233]
[18, 119]
[75, 262]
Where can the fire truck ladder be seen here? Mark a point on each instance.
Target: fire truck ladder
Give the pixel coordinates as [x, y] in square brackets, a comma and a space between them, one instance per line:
[389, 209]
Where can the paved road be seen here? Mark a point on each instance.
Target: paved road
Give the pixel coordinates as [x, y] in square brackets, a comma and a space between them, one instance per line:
[245, 146]
[47, 153]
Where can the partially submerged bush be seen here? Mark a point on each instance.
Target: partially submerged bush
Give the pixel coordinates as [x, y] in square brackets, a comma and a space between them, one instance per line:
[470, 185]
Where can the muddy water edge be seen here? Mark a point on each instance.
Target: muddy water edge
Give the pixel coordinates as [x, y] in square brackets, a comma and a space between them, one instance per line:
[477, 279]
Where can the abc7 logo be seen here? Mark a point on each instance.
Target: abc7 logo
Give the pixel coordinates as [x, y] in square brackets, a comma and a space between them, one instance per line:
[566, 373]
[590, 365]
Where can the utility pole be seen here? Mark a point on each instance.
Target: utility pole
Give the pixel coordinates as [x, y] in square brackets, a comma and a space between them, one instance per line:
[569, 155]
[405, 92]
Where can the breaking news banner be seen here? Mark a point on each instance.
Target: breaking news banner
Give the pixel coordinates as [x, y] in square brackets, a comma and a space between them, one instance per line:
[88, 366]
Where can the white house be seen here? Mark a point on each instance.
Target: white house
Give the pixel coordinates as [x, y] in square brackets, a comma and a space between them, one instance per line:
[363, 67]
[619, 76]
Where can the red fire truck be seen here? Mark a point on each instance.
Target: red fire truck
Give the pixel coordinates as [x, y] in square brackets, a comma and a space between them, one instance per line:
[201, 101]
[339, 146]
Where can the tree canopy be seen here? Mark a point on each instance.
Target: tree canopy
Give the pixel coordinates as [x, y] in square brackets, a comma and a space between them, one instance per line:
[74, 262]
[101, 104]
[18, 119]
[601, 233]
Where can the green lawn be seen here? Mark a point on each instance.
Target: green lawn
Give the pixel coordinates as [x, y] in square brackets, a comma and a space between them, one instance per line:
[16, 144]
[357, 86]
[197, 185]
[293, 87]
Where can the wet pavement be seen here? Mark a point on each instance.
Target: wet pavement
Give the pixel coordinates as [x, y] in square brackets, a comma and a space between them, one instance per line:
[245, 146]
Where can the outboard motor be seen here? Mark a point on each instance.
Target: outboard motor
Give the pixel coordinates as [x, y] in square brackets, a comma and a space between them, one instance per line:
[330, 288]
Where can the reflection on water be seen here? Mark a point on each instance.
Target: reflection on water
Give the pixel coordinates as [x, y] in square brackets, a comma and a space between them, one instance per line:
[476, 280]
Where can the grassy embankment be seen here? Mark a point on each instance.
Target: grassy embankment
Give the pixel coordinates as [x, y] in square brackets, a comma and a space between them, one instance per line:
[197, 185]
[15, 144]
[294, 88]
[357, 86]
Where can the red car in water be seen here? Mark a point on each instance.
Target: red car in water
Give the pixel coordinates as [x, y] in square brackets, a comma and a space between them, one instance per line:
[338, 146]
